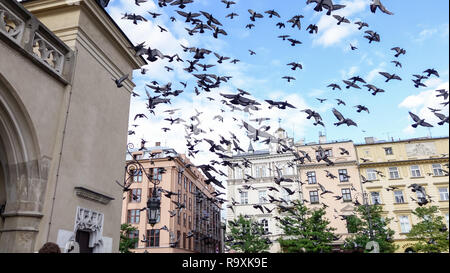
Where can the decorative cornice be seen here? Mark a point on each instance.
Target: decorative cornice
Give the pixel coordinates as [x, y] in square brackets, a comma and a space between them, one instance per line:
[92, 195]
[404, 162]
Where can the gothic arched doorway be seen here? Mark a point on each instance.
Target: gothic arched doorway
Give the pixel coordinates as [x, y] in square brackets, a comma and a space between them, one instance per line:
[23, 174]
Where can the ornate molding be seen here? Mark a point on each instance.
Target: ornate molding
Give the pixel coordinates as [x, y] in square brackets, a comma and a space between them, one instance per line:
[92, 195]
[24, 32]
[11, 25]
[404, 162]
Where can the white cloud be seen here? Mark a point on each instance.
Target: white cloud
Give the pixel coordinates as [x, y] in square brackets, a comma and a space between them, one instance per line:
[330, 33]
[419, 104]
[375, 72]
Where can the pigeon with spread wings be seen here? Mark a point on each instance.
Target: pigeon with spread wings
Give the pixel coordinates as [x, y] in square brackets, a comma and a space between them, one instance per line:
[342, 120]
[418, 121]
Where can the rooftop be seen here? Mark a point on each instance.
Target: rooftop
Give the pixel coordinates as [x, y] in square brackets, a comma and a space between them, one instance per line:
[373, 141]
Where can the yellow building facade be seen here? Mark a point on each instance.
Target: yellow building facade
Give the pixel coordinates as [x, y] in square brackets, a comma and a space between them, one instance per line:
[388, 169]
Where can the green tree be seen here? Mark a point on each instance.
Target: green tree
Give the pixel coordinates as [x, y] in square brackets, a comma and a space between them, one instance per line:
[368, 224]
[305, 230]
[125, 241]
[247, 236]
[430, 234]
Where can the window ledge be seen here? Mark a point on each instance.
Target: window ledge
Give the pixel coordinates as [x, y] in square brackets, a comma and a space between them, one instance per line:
[395, 178]
[401, 203]
[416, 177]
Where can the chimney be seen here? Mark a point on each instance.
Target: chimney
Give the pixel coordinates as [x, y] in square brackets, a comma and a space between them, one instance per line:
[158, 144]
[322, 138]
[369, 140]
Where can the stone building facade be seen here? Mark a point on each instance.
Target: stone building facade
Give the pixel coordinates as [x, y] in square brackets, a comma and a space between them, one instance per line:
[61, 118]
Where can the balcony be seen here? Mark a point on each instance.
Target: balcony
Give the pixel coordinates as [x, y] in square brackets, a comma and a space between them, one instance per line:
[22, 30]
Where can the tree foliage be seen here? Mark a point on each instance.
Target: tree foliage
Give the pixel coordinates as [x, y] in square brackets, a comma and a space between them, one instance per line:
[305, 230]
[247, 236]
[367, 220]
[126, 243]
[430, 235]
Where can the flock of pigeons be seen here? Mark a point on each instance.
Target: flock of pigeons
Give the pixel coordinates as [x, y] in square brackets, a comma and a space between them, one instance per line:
[204, 22]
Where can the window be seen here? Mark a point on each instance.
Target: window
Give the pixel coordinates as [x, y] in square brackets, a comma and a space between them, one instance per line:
[260, 171]
[184, 219]
[437, 170]
[190, 222]
[404, 224]
[371, 174]
[153, 238]
[415, 171]
[135, 196]
[133, 216]
[244, 197]
[346, 195]
[237, 173]
[134, 235]
[343, 177]
[443, 193]
[262, 197]
[180, 177]
[388, 151]
[311, 177]
[265, 225]
[393, 173]
[184, 240]
[327, 152]
[190, 186]
[190, 203]
[185, 183]
[375, 198]
[399, 197]
[137, 176]
[314, 197]
[157, 175]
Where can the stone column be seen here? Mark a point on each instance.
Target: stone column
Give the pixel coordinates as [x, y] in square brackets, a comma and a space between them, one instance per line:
[25, 189]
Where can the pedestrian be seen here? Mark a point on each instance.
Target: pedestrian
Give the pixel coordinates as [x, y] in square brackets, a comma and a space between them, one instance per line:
[50, 248]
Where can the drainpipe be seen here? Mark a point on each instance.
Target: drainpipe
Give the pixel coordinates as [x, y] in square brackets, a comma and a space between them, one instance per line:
[67, 89]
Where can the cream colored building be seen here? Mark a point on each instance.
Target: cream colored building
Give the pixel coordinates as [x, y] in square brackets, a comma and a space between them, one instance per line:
[200, 217]
[345, 184]
[63, 124]
[263, 169]
[399, 164]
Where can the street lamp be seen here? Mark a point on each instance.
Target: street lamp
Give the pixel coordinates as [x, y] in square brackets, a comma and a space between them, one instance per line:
[154, 207]
[134, 167]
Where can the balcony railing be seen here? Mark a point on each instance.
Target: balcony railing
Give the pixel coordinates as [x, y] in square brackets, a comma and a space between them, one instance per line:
[25, 32]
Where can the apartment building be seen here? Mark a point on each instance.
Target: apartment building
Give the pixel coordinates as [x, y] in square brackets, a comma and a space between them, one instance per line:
[196, 227]
[391, 167]
[262, 168]
[340, 180]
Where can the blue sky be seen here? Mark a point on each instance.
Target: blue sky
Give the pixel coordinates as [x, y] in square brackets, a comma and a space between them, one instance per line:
[421, 28]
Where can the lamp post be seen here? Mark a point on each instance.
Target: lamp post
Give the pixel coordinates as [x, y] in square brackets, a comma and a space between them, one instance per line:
[134, 167]
[154, 207]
